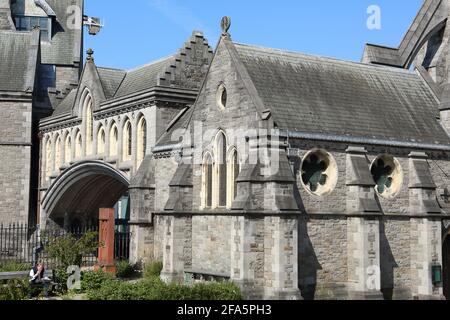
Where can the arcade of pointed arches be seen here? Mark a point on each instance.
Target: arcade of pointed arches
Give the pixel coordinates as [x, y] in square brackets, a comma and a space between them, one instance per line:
[119, 139]
[220, 169]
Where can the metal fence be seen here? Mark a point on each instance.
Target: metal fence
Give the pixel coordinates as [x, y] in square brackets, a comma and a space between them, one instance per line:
[22, 244]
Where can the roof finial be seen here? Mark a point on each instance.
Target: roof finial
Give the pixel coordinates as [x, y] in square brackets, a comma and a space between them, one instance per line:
[225, 24]
[90, 53]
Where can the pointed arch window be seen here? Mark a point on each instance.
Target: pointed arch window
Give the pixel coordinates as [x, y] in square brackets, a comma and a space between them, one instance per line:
[221, 151]
[58, 153]
[233, 169]
[141, 140]
[208, 180]
[78, 146]
[127, 141]
[113, 141]
[48, 159]
[101, 141]
[88, 122]
[68, 149]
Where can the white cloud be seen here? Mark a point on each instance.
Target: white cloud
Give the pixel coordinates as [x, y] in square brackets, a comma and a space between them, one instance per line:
[181, 16]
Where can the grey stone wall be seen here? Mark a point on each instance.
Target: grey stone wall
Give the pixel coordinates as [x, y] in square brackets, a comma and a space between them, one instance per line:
[16, 122]
[15, 156]
[14, 183]
[395, 236]
[168, 166]
[322, 255]
[211, 239]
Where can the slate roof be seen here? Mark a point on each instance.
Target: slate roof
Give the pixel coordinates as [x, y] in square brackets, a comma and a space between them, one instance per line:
[62, 48]
[181, 121]
[117, 83]
[323, 95]
[14, 58]
[65, 106]
[111, 80]
[143, 78]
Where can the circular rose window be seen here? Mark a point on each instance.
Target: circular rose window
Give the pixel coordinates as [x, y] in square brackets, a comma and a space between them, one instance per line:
[319, 173]
[388, 176]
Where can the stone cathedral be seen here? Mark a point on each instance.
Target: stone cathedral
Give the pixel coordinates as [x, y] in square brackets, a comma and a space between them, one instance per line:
[294, 176]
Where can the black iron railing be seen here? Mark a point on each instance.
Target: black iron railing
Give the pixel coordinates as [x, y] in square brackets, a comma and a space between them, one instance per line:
[22, 244]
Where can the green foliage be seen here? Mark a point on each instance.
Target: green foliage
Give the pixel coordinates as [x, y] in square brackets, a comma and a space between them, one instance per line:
[153, 269]
[124, 269]
[68, 251]
[93, 280]
[14, 266]
[155, 289]
[17, 289]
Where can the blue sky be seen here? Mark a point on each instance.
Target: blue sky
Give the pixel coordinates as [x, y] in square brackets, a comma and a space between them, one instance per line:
[139, 31]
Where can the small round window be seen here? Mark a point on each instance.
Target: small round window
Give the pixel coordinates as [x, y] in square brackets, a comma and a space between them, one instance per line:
[319, 173]
[221, 97]
[388, 176]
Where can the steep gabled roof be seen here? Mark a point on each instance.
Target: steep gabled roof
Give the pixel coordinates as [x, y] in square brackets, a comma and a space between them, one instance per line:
[349, 101]
[111, 80]
[65, 106]
[144, 77]
[322, 95]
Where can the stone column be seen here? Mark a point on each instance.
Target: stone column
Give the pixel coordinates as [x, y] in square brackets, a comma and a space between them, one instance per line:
[426, 250]
[281, 258]
[176, 243]
[247, 262]
[141, 225]
[426, 228]
[363, 228]
[142, 202]
[364, 258]
[265, 231]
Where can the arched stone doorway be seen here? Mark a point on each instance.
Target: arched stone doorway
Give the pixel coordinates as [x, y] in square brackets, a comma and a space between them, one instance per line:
[76, 196]
[446, 265]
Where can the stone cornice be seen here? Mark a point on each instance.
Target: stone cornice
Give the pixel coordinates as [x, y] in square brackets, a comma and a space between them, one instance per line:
[14, 96]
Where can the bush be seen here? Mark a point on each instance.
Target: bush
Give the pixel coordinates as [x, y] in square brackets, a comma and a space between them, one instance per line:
[112, 290]
[14, 266]
[17, 289]
[68, 251]
[153, 270]
[124, 269]
[155, 289]
[93, 280]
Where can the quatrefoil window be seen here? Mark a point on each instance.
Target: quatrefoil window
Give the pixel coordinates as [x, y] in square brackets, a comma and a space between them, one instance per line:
[387, 175]
[314, 173]
[382, 175]
[319, 172]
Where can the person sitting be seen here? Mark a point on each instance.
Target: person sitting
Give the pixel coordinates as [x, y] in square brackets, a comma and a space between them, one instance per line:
[38, 279]
[37, 274]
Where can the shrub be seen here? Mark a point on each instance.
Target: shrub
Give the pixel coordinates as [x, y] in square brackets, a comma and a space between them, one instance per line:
[112, 290]
[14, 266]
[68, 250]
[93, 280]
[155, 289]
[153, 270]
[17, 289]
[124, 269]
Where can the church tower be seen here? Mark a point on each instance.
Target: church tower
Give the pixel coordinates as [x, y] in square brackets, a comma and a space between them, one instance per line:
[41, 59]
[425, 47]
